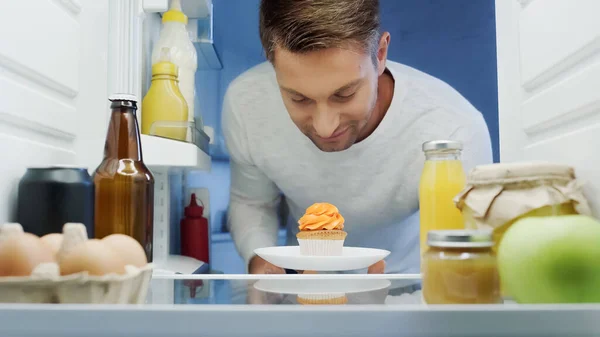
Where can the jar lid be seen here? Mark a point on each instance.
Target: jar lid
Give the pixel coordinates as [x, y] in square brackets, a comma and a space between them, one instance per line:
[122, 97]
[460, 238]
[517, 172]
[442, 145]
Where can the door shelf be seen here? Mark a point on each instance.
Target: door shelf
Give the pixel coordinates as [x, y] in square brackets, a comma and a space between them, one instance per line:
[166, 153]
[200, 27]
[197, 9]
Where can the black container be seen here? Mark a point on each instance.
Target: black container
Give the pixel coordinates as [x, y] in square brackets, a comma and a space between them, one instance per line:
[52, 196]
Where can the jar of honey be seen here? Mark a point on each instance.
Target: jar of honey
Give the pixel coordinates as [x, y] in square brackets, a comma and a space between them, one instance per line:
[459, 267]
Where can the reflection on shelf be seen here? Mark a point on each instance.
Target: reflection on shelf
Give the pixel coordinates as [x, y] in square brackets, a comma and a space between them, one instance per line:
[177, 130]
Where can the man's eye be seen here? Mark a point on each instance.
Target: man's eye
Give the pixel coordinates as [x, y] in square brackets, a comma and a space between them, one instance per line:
[344, 97]
[300, 99]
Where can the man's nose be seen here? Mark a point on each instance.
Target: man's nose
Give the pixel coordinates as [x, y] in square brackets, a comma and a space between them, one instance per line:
[325, 121]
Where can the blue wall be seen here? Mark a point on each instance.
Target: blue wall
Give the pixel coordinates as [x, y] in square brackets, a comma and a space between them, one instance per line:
[453, 40]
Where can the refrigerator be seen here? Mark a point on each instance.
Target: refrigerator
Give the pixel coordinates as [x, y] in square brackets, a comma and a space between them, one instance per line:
[61, 59]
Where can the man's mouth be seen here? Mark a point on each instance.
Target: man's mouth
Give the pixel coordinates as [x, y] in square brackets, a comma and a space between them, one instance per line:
[336, 135]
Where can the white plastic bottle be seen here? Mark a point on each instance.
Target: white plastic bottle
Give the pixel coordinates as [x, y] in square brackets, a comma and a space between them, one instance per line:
[173, 35]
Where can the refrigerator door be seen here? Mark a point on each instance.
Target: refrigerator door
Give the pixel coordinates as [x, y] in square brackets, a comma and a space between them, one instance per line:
[53, 87]
[548, 80]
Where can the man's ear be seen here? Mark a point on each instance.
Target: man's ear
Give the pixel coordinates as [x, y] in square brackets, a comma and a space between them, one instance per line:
[382, 51]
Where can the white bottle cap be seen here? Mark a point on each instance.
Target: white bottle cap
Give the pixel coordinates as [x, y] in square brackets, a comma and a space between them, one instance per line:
[122, 97]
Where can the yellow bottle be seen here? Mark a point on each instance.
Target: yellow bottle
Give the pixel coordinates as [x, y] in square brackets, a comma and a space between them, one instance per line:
[442, 179]
[164, 103]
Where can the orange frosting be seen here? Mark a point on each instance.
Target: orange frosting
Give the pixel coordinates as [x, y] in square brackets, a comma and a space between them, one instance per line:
[321, 216]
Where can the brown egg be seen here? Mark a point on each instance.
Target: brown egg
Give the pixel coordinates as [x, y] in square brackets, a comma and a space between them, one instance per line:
[21, 252]
[93, 256]
[128, 248]
[53, 240]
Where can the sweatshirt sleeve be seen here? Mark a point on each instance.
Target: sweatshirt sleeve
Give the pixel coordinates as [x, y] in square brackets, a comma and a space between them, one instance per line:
[254, 198]
[477, 144]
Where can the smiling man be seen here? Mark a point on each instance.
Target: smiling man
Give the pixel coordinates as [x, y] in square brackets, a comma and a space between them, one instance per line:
[329, 119]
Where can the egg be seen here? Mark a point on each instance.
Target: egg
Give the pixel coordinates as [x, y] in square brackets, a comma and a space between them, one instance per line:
[92, 256]
[21, 252]
[128, 248]
[53, 240]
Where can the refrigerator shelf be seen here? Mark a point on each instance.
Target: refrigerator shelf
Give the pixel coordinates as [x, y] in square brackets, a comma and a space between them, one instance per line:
[167, 153]
[269, 321]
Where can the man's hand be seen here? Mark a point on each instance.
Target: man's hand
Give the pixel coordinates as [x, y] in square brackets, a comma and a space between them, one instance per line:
[258, 265]
[377, 268]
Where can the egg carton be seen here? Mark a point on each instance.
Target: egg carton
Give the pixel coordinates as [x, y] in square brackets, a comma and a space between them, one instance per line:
[45, 285]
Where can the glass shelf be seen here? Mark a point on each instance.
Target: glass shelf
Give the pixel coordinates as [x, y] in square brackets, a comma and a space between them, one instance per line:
[275, 305]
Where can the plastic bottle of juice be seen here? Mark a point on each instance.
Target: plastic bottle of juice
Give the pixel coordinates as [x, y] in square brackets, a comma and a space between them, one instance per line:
[164, 102]
[442, 179]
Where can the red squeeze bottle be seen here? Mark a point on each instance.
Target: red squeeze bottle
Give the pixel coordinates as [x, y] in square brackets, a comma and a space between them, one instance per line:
[194, 232]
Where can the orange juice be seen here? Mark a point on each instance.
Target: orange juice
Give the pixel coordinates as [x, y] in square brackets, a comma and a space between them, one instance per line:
[442, 179]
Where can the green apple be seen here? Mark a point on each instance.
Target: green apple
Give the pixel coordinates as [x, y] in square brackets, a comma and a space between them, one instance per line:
[552, 260]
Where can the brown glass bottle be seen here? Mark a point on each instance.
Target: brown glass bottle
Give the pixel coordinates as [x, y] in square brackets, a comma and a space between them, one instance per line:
[124, 185]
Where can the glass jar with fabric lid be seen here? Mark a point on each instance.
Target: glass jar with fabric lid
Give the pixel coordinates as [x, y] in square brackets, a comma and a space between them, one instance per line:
[498, 195]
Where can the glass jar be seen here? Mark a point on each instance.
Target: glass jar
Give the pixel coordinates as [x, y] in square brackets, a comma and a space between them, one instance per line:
[459, 267]
[443, 177]
[498, 195]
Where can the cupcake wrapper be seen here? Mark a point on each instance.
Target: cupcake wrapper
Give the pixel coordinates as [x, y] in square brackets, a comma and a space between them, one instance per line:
[322, 299]
[321, 247]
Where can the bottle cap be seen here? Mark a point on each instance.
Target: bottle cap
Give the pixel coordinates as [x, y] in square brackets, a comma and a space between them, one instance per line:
[122, 97]
[193, 210]
[164, 68]
[174, 14]
[442, 145]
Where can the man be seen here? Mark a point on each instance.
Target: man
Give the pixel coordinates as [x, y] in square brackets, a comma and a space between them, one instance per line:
[329, 119]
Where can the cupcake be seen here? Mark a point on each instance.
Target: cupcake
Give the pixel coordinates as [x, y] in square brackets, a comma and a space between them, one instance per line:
[321, 231]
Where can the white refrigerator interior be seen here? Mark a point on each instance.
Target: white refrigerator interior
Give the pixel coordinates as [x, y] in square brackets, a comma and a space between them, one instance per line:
[53, 88]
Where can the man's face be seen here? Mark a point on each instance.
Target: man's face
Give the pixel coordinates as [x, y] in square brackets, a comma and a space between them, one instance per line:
[330, 94]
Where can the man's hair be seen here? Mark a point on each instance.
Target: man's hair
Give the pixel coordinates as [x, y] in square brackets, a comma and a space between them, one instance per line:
[302, 26]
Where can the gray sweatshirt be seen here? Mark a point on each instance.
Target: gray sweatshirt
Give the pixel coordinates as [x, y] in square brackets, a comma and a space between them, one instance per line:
[374, 183]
